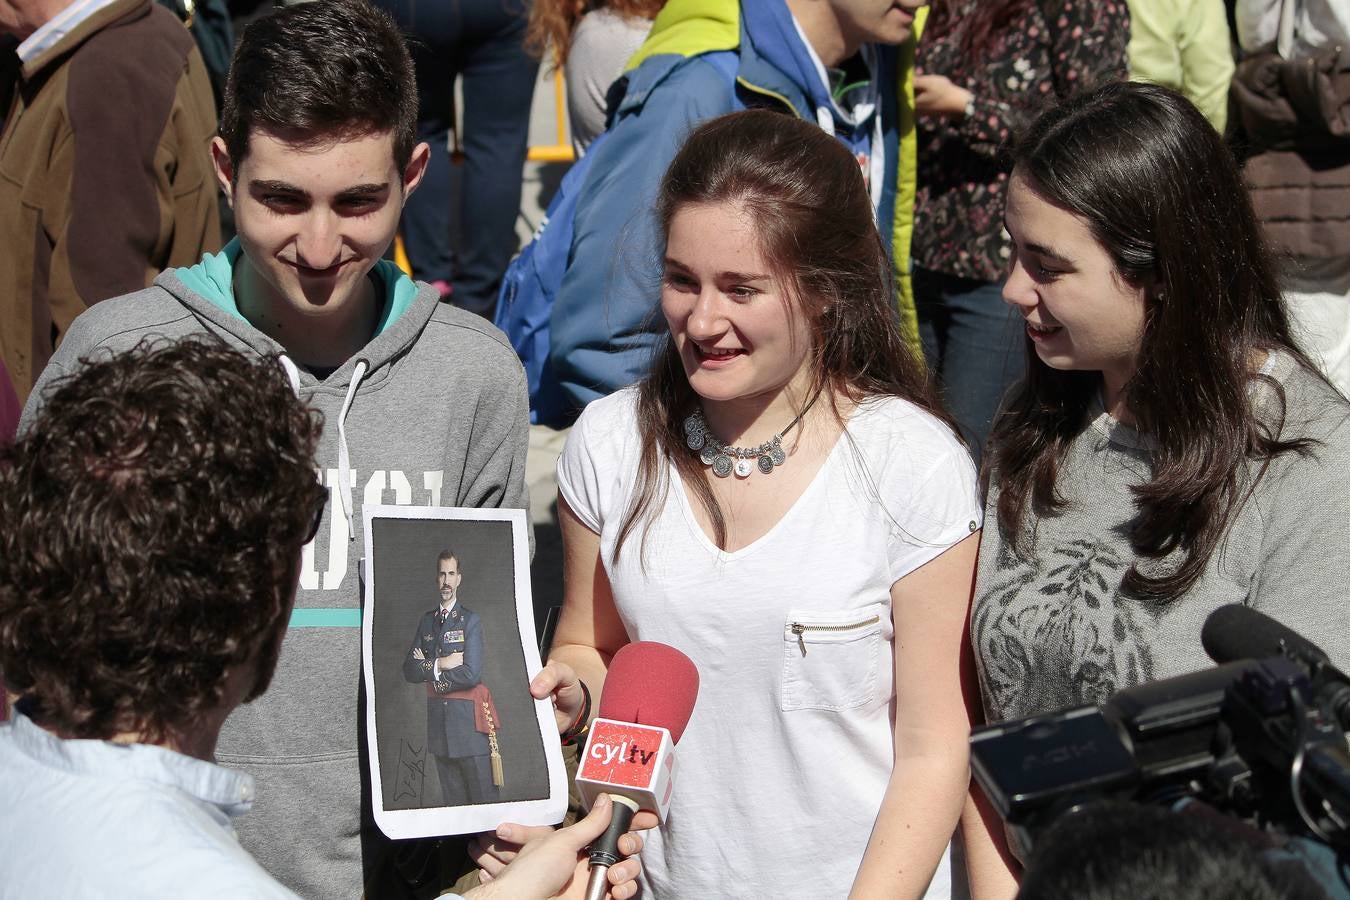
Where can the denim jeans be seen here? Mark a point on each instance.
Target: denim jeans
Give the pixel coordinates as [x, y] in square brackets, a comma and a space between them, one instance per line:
[975, 346]
[479, 40]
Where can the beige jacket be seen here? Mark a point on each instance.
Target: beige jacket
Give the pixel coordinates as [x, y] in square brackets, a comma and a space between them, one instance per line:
[105, 173]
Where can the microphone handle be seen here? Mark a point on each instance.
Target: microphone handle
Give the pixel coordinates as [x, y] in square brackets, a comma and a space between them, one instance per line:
[595, 888]
[605, 849]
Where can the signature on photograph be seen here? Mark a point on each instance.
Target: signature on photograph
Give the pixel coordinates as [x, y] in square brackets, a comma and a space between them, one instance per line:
[411, 771]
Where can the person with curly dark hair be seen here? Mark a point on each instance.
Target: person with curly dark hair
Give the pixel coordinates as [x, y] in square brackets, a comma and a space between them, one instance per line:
[1107, 849]
[151, 521]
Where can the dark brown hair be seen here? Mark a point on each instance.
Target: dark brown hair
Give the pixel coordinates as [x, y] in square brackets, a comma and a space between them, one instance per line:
[805, 192]
[1162, 195]
[151, 521]
[319, 71]
[553, 21]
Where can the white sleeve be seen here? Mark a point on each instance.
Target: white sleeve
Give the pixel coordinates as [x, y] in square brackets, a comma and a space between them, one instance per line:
[932, 504]
[585, 456]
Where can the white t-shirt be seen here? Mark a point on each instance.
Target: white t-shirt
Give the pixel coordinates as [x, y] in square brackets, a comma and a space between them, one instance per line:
[786, 758]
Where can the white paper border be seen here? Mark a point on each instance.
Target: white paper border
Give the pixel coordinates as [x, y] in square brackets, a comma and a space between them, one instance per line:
[446, 820]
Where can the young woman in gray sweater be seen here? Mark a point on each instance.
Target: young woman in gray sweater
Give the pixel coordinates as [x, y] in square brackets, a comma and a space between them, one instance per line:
[1170, 448]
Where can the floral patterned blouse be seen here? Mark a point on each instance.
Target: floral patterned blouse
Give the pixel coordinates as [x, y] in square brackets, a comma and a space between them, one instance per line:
[1060, 46]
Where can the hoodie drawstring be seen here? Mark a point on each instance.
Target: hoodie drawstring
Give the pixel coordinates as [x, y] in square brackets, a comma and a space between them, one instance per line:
[292, 373]
[344, 455]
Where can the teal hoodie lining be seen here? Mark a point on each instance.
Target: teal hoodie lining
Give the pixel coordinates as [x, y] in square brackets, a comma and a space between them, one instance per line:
[213, 279]
[326, 617]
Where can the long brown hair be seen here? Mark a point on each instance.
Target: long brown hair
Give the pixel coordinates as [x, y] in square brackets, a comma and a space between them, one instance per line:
[1162, 195]
[806, 194]
[553, 21]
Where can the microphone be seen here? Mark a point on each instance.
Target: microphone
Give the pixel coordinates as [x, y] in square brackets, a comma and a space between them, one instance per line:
[1233, 632]
[648, 697]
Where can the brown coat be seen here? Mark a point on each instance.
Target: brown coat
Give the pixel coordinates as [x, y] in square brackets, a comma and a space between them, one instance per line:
[105, 173]
[1303, 200]
[1296, 114]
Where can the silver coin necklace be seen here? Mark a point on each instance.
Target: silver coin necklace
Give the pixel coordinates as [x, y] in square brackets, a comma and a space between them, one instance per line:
[724, 459]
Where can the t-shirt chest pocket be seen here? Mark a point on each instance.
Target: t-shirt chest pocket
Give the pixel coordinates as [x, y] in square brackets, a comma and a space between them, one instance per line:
[830, 663]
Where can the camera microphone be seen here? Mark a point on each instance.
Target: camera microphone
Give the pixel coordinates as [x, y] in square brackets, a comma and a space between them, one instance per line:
[1235, 632]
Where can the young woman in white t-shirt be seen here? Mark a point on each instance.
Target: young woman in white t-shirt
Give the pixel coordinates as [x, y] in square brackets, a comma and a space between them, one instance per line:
[782, 500]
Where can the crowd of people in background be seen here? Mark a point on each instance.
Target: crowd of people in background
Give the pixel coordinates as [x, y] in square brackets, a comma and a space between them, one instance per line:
[912, 366]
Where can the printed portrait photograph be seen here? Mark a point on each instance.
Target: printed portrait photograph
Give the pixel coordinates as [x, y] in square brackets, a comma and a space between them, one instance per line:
[455, 738]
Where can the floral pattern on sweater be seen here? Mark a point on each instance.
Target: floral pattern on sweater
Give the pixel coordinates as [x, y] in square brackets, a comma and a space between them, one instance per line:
[1056, 48]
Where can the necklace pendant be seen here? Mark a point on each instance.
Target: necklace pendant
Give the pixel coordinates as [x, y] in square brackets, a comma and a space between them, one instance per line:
[724, 459]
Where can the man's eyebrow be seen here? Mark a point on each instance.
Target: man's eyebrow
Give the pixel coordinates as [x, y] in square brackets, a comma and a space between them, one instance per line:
[276, 187]
[284, 187]
[371, 188]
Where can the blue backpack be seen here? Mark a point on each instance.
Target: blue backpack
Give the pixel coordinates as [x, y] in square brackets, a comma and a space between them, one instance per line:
[529, 289]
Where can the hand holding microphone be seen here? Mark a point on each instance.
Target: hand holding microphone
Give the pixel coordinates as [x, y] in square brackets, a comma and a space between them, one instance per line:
[550, 863]
[649, 695]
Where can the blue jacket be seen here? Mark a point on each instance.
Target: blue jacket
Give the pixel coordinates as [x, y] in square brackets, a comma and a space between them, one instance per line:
[703, 59]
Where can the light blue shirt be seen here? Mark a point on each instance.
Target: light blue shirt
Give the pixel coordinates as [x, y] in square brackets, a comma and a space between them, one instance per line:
[93, 819]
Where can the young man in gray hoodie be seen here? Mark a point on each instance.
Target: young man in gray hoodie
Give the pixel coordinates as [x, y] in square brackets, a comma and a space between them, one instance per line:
[423, 404]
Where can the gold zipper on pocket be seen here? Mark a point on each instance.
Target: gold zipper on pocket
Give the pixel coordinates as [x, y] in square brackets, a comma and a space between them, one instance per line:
[799, 629]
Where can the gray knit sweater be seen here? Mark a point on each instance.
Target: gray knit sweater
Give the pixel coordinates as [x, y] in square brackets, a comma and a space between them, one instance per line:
[1052, 627]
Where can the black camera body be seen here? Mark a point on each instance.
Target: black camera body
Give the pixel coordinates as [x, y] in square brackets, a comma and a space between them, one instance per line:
[1263, 740]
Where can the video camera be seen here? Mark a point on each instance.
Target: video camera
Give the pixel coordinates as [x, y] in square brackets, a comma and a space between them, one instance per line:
[1262, 736]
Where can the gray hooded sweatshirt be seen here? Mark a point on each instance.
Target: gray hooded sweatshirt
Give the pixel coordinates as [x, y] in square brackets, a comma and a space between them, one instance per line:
[433, 411]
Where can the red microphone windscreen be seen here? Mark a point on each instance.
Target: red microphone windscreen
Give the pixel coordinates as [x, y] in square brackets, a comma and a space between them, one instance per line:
[649, 683]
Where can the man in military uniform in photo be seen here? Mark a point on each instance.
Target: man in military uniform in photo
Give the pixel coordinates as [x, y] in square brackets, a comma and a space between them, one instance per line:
[447, 655]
